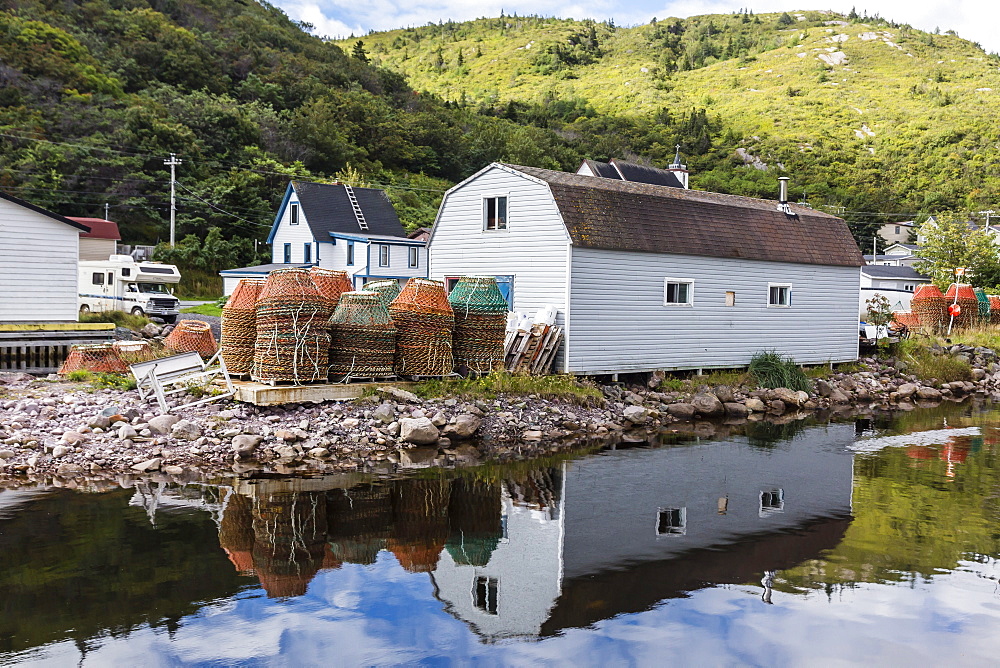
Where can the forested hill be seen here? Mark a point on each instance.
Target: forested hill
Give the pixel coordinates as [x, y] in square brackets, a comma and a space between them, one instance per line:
[861, 112]
[95, 95]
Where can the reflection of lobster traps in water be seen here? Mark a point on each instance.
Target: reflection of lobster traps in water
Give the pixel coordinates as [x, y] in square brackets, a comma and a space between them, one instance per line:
[966, 300]
[359, 522]
[424, 321]
[289, 541]
[192, 336]
[236, 533]
[362, 337]
[930, 306]
[292, 339]
[420, 523]
[387, 290]
[480, 323]
[239, 325]
[983, 303]
[96, 357]
[474, 517]
[331, 285]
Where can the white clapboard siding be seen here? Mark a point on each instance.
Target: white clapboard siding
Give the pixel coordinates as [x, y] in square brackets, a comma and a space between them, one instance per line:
[619, 324]
[534, 248]
[296, 235]
[38, 266]
[96, 249]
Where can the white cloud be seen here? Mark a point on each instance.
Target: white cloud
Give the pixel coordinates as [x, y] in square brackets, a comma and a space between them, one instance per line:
[972, 19]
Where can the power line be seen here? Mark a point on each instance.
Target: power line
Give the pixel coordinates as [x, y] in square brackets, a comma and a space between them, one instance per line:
[219, 209]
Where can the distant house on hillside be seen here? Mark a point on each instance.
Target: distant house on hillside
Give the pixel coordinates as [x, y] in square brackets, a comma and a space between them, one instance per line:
[898, 233]
[39, 255]
[649, 277]
[335, 226]
[676, 176]
[102, 240]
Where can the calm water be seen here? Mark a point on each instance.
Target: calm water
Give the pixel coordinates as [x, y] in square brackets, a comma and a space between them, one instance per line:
[858, 542]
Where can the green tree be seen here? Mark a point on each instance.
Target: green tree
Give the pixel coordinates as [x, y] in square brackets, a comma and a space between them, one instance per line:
[950, 242]
[358, 52]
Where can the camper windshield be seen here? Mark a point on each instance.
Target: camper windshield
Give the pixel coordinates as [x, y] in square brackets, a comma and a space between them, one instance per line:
[158, 288]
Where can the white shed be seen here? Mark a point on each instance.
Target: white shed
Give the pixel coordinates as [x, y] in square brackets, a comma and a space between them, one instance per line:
[650, 277]
[39, 251]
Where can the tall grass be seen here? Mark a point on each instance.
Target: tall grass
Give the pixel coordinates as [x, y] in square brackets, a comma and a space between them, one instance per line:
[565, 388]
[928, 365]
[769, 369]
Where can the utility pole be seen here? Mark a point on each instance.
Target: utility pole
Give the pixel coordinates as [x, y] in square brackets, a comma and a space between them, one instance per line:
[106, 211]
[172, 163]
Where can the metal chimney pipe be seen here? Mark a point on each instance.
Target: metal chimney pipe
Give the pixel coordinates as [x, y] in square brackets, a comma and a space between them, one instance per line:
[783, 190]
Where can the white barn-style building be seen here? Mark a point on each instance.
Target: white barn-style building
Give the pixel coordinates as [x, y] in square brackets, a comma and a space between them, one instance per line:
[39, 252]
[335, 226]
[649, 277]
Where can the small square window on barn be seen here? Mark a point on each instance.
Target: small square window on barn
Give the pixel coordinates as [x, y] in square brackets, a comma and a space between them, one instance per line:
[671, 522]
[414, 257]
[779, 295]
[678, 292]
[730, 299]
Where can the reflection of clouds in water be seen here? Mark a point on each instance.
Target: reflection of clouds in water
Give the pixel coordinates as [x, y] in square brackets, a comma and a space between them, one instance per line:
[397, 620]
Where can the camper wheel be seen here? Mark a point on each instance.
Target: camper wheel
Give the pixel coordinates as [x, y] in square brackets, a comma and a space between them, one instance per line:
[137, 311]
[84, 308]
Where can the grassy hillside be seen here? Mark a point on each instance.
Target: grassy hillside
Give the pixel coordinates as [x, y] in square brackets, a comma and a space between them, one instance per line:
[863, 113]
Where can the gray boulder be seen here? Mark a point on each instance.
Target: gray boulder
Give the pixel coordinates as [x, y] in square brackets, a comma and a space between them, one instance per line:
[707, 404]
[636, 414]
[162, 424]
[417, 458]
[148, 465]
[724, 394]
[464, 426]
[787, 396]
[734, 409]
[928, 393]
[399, 395]
[420, 431]
[385, 413]
[755, 405]
[681, 411]
[838, 397]
[186, 430]
[906, 390]
[823, 388]
[245, 444]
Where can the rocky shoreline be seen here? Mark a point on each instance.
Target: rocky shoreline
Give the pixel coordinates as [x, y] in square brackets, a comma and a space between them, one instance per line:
[55, 430]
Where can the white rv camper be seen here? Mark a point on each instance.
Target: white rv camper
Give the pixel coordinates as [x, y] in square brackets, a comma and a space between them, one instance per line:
[122, 284]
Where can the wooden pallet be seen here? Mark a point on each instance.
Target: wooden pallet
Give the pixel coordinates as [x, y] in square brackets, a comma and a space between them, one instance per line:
[533, 351]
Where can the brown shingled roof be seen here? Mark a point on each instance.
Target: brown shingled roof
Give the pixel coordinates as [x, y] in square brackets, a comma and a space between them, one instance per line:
[620, 215]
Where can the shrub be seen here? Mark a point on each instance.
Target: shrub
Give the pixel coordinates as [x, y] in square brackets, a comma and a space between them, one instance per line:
[928, 365]
[769, 369]
[119, 318]
[562, 387]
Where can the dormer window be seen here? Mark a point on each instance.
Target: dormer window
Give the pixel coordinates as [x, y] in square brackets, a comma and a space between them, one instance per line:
[495, 213]
[293, 214]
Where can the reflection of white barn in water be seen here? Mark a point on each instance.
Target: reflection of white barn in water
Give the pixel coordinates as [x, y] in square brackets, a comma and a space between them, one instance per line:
[629, 528]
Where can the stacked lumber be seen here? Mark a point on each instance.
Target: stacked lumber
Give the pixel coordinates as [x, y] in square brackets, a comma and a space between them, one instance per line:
[532, 351]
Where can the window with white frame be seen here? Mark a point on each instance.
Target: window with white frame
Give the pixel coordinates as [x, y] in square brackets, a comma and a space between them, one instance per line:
[495, 213]
[414, 257]
[909, 287]
[671, 522]
[383, 255]
[771, 501]
[779, 295]
[486, 593]
[678, 292]
[293, 214]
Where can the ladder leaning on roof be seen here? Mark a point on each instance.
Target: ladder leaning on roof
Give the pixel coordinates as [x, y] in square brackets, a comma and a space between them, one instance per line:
[358, 213]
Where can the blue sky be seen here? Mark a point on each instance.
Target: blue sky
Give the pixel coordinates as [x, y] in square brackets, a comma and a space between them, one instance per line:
[972, 19]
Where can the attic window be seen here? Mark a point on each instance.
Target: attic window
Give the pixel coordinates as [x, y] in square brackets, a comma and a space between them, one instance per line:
[293, 214]
[495, 213]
